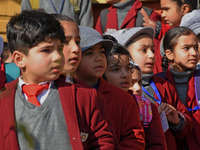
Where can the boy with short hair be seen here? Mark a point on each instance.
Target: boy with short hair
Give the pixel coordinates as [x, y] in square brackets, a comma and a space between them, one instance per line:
[67, 116]
[121, 107]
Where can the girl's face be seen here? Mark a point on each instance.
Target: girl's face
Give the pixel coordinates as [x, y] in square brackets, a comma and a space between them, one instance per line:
[185, 54]
[93, 64]
[72, 51]
[171, 13]
[118, 71]
[136, 86]
[142, 52]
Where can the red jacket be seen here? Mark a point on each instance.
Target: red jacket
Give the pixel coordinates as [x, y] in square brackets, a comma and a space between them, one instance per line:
[2, 79]
[81, 111]
[124, 114]
[157, 67]
[129, 20]
[169, 95]
[193, 140]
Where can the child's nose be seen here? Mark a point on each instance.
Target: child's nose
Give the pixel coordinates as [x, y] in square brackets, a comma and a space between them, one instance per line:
[75, 48]
[57, 55]
[163, 14]
[99, 57]
[150, 54]
[193, 52]
[137, 88]
[124, 73]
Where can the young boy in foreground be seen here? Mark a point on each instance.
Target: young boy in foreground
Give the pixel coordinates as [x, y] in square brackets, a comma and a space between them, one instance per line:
[62, 116]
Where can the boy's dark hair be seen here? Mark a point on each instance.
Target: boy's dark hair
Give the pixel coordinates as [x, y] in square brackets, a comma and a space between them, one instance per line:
[5, 53]
[29, 28]
[170, 41]
[117, 49]
[192, 3]
[62, 17]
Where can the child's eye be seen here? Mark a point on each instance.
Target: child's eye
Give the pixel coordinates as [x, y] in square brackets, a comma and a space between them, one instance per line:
[196, 48]
[153, 50]
[140, 82]
[88, 53]
[144, 50]
[186, 48]
[115, 69]
[103, 51]
[46, 50]
[128, 68]
[60, 49]
[66, 42]
[78, 43]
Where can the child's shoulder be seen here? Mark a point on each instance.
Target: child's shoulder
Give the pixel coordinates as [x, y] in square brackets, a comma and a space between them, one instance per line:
[106, 87]
[160, 78]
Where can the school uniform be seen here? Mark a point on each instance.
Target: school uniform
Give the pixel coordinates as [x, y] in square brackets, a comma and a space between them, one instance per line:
[169, 95]
[128, 22]
[85, 124]
[193, 139]
[123, 112]
[2, 79]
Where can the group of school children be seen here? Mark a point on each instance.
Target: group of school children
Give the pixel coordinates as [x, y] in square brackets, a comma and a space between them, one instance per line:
[79, 89]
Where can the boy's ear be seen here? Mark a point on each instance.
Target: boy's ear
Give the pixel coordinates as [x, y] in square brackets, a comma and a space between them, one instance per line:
[19, 59]
[185, 9]
[169, 55]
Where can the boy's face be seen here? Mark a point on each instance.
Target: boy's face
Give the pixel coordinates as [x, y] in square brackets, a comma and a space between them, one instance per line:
[136, 86]
[118, 71]
[44, 62]
[93, 64]
[142, 52]
[71, 50]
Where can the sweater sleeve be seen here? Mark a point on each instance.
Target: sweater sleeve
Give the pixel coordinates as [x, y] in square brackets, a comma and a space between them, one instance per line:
[187, 127]
[86, 14]
[25, 5]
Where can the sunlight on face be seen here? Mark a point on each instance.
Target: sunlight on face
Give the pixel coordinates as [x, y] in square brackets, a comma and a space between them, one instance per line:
[142, 52]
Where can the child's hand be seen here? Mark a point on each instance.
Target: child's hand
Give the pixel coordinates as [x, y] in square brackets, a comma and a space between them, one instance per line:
[147, 21]
[171, 113]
